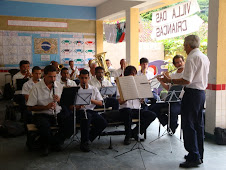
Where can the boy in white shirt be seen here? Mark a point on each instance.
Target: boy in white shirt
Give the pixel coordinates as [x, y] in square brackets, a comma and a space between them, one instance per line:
[99, 81]
[98, 122]
[73, 71]
[130, 109]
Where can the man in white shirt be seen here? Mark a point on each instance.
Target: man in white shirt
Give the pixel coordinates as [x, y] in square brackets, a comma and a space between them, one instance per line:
[43, 101]
[99, 81]
[65, 81]
[195, 79]
[120, 71]
[98, 122]
[92, 70]
[73, 71]
[24, 72]
[175, 107]
[130, 109]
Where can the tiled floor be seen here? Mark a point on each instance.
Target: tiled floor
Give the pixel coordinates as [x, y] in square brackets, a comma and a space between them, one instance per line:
[14, 155]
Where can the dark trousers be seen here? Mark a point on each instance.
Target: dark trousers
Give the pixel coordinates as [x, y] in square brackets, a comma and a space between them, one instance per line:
[161, 111]
[97, 121]
[26, 115]
[193, 122]
[146, 117]
[44, 121]
[110, 102]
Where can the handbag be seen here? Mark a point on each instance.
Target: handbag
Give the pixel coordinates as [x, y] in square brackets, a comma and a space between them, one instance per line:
[220, 136]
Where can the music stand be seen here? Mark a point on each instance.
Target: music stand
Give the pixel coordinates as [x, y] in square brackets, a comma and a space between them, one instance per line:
[138, 144]
[173, 96]
[68, 98]
[110, 90]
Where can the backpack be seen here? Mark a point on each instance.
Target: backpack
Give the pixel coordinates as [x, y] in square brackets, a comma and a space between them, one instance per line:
[11, 129]
[220, 136]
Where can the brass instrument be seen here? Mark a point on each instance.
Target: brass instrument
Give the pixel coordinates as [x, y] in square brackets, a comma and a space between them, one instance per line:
[60, 66]
[100, 60]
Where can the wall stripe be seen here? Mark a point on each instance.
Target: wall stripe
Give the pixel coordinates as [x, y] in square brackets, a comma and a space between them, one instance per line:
[216, 87]
[27, 9]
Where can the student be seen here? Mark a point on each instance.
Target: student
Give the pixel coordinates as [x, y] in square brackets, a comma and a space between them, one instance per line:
[108, 63]
[56, 65]
[36, 77]
[89, 133]
[65, 81]
[43, 101]
[99, 81]
[119, 72]
[144, 69]
[130, 109]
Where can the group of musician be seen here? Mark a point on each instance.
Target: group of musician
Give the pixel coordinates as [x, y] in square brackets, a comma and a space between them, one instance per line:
[42, 97]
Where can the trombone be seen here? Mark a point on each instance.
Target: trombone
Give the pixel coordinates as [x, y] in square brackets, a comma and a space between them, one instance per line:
[60, 66]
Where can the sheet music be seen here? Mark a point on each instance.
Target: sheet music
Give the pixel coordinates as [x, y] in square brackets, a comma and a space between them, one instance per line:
[154, 83]
[143, 87]
[128, 87]
[84, 96]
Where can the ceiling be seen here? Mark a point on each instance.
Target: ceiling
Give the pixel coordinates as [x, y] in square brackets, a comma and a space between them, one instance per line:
[89, 3]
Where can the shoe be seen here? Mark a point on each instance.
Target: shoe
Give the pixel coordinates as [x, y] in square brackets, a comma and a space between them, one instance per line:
[190, 164]
[186, 157]
[85, 147]
[127, 141]
[57, 148]
[45, 151]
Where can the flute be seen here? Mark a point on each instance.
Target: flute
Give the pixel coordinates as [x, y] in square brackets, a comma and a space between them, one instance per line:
[164, 73]
[54, 110]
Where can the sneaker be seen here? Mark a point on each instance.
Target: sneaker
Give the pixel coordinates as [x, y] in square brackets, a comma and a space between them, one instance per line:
[190, 164]
[85, 147]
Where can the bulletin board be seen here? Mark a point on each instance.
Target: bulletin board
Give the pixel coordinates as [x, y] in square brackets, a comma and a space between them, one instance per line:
[42, 47]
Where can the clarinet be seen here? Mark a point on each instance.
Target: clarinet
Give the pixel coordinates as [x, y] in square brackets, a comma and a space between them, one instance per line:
[84, 87]
[54, 110]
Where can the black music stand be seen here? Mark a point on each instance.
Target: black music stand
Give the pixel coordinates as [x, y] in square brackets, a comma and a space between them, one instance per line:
[138, 144]
[68, 98]
[173, 96]
[104, 91]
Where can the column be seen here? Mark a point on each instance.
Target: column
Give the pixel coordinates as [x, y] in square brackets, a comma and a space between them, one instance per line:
[99, 37]
[132, 36]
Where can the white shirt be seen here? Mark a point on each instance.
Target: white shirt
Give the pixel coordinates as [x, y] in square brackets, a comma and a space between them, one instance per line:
[69, 83]
[132, 104]
[28, 86]
[196, 70]
[18, 75]
[148, 74]
[94, 82]
[58, 77]
[177, 75]
[110, 67]
[118, 72]
[41, 95]
[95, 96]
[75, 73]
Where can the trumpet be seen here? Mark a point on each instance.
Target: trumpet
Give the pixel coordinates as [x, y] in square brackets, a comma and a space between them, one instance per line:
[60, 66]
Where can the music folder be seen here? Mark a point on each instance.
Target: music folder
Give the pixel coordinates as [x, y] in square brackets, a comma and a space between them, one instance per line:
[20, 83]
[68, 96]
[110, 90]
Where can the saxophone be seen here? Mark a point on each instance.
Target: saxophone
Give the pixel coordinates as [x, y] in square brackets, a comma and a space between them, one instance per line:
[100, 60]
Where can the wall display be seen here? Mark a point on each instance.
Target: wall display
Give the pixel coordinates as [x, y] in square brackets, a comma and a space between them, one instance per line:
[42, 47]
